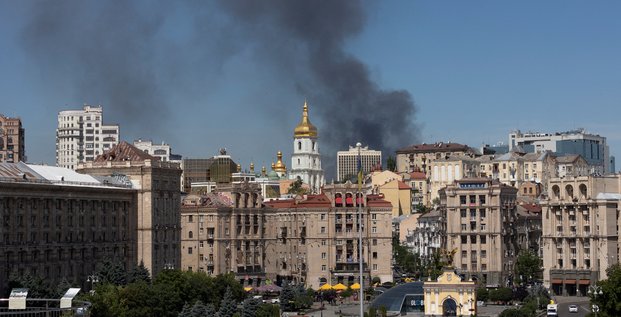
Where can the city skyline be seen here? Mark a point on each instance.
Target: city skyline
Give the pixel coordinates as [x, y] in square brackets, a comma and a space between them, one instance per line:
[475, 73]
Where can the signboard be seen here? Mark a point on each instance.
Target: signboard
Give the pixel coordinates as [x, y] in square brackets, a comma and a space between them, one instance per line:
[65, 301]
[17, 299]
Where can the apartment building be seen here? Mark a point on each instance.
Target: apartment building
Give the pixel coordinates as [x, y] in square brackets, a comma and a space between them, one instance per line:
[418, 157]
[428, 238]
[162, 151]
[446, 170]
[421, 191]
[81, 136]
[572, 165]
[158, 201]
[593, 148]
[580, 232]
[58, 224]
[516, 168]
[347, 162]
[12, 140]
[480, 216]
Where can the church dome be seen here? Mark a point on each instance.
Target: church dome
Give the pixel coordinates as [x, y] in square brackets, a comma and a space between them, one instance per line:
[305, 128]
[279, 166]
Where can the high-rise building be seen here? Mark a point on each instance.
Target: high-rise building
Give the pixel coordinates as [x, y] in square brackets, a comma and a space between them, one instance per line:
[81, 136]
[347, 162]
[217, 169]
[12, 148]
[592, 147]
[158, 201]
[580, 217]
[480, 215]
[306, 160]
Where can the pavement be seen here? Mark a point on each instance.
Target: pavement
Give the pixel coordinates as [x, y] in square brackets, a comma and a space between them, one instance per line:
[584, 306]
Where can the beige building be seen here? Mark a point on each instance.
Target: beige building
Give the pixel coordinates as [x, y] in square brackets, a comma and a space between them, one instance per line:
[515, 168]
[347, 162]
[479, 228]
[158, 201]
[449, 295]
[421, 191]
[58, 224]
[418, 157]
[580, 232]
[572, 165]
[12, 140]
[447, 170]
[398, 193]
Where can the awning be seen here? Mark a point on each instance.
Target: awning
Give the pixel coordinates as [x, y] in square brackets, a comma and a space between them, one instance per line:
[570, 281]
[584, 282]
[557, 281]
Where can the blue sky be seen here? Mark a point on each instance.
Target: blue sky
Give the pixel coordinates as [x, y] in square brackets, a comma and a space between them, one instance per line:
[475, 70]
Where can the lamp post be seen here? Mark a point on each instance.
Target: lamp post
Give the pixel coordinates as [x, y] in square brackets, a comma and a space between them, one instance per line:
[169, 266]
[93, 279]
[595, 290]
[359, 203]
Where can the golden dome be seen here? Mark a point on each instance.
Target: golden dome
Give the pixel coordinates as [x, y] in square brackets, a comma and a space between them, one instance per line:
[251, 167]
[238, 168]
[280, 166]
[263, 171]
[305, 128]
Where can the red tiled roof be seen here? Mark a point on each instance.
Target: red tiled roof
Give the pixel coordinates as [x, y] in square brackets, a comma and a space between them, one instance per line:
[436, 147]
[124, 152]
[320, 200]
[377, 201]
[286, 203]
[403, 185]
[534, 208]
[418, 175]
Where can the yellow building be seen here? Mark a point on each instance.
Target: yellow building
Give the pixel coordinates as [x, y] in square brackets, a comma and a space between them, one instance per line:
[450, 296]
[399, 195]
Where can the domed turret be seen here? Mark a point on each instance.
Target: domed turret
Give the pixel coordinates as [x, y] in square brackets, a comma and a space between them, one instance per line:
[280, 167]
[305, 128]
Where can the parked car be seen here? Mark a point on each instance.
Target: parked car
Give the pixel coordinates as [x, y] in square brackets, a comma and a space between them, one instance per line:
[573, 308]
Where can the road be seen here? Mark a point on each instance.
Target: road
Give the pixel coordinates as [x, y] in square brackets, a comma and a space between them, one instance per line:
[584, 307]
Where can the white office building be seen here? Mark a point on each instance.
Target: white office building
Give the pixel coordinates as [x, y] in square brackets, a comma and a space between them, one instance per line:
[81, 136]
[347, 162]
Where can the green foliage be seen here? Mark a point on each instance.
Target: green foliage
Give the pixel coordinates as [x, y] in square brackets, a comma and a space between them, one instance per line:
[112, 272]
[139, 273]
[502, 294]
[268, 310]
[303, 299]
[391, 164]
[287, 298]
[609, 301]
[482, 294]
[37, 286]
[296, 187]
[513, 312]
[382, 312]
[250, 306]
[228, 305]
[527, 267]
[376, 280]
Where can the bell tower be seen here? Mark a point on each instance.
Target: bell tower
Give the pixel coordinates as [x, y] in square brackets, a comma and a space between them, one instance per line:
[306, 160]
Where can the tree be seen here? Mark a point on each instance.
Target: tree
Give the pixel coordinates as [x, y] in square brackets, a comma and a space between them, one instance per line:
[513, 312]
[502, 294]
[268, 310]
[391, 164]
[287, 298]
[228, 305]
[250, 307]
[482, 294]
[139, 273]
[296, 187]
[608, 301]
[113, 272]
[527, 267]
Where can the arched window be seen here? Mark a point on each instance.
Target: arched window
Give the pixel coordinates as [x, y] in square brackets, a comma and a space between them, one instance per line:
[569, 191]
[299, 145]
[556, 191]
[190, 235]
[583, 191]
[314, 147]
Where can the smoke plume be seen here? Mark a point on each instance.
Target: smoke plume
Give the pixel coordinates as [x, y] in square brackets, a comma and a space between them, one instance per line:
[129, 56]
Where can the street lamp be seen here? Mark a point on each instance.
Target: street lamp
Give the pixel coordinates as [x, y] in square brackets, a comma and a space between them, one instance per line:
[93, 279]
[595, 290]
[169, 266]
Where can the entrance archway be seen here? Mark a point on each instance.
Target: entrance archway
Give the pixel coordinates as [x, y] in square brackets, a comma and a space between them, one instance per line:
[449, 307]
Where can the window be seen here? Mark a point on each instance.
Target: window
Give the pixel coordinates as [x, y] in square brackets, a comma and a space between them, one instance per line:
[323, 230]
[299, 146]
[374, 216]
[464, 254]
[482, 199]
[483, 254]
[463, 213]
[190, 235]
[201, 244]
[323, 267]
[483, 239]
[464, 239]
[374, 241]
[463, 227]
[462, 199]
[190, 219]
[374, 267]
[375, 255]
[323, 242]
[323, 255]
[190, 250]
[322, 217]
[482, 213]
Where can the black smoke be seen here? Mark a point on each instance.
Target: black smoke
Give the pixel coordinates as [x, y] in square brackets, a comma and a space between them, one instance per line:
[128, 55]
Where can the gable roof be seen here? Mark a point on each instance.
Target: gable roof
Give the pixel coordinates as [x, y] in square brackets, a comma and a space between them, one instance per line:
[418, 176]
[123, 152]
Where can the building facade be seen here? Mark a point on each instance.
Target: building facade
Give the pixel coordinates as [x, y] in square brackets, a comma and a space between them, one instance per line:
[480, 216]
[57, 224]
[162, 151]
[593, 148]
[306, 160]
[12, 140]
[347, 162]
[447, 170]
[217, 169]
[81, 136]
[158, 201]
[429, 236]
[580, 232]
[418, 157]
